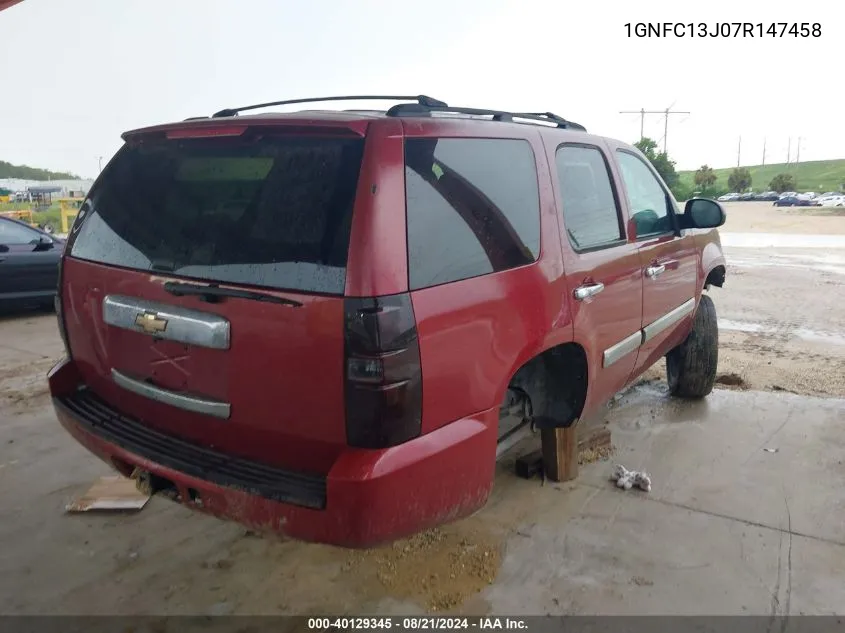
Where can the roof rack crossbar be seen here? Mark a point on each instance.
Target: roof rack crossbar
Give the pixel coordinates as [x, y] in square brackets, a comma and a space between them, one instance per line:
[421, 100]
[419, 109]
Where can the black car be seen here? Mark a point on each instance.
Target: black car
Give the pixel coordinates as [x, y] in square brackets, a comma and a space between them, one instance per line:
[768, 196]
[29, 263]
[792, 201]
[747, 196]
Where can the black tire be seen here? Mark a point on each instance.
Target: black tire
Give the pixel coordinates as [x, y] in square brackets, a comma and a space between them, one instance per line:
[691, 366]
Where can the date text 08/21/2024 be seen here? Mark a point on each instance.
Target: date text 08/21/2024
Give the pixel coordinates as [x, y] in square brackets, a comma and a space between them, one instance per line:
[416, 623]
[723, 29]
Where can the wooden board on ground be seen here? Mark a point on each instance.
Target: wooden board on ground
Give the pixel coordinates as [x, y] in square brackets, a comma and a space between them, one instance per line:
[113, 493]
[596, 441]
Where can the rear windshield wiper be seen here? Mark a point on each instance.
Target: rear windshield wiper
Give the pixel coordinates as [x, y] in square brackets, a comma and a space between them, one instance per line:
[212, 294]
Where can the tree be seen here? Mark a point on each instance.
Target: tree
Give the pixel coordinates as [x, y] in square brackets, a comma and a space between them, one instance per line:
[782, 182]
[7, 170]
[660, 161]
[705, 177]
[740, 179]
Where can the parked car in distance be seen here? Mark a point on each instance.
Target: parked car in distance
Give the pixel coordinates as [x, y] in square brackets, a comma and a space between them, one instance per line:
[823, 199]
[728, 197]
[29, 264]
[768, 196]
[792, 201]
[323, 336]
[788, 194]
[748, 195]
[830, 201]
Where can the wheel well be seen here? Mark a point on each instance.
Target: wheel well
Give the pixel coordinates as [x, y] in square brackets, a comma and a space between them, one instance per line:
[715, 277]
[555, 382]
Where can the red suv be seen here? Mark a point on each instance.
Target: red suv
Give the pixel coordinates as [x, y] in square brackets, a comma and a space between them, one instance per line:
[309, 322]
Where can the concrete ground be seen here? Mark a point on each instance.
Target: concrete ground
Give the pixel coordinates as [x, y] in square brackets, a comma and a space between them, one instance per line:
[744, 518]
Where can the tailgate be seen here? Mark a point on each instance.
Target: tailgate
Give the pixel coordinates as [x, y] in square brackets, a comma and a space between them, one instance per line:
[203, 292]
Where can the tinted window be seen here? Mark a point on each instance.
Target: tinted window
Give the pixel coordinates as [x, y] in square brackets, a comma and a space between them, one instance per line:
[589, 206]
[647, 199]
[473, 208]
[267, 212]
[12, 233]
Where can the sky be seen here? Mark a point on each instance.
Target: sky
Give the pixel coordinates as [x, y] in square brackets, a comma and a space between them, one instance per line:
[75, 74]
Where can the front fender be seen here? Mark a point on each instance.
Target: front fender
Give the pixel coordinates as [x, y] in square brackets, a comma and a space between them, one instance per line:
[711, 257]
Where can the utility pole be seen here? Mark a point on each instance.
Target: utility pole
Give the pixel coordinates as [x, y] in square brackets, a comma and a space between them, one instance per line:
[642, 112]
[100, 163]
[798, 152]
[738, 151]
[788, 150]
[764, 150]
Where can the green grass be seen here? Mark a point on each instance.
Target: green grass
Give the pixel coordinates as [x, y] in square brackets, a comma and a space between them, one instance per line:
[52, 215]
[818, 176]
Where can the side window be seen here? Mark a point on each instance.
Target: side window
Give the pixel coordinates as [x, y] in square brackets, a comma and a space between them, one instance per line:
[15, 234]
[590, 212]
[473, 208]
[648, 200]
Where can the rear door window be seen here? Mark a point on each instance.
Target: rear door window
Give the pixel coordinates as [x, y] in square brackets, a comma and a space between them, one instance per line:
[473, 208]
[272, 212]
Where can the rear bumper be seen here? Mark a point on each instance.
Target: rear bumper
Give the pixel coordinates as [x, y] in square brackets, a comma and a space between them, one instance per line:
[368, 496]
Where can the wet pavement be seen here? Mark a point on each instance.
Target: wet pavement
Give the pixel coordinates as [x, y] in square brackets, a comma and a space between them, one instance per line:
[745, 515]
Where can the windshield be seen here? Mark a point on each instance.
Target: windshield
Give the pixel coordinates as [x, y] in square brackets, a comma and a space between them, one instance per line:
[271, 212]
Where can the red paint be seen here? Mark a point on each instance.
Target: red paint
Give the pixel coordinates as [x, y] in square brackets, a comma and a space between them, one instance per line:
[284, 372]
[373, 496]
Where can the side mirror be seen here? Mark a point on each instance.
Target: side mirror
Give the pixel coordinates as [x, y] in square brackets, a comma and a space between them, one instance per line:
[43, 243]
[703, 213]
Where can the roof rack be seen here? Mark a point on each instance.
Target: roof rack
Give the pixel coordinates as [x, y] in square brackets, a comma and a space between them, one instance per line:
[421, 105]
[420, 109]
[420, 100]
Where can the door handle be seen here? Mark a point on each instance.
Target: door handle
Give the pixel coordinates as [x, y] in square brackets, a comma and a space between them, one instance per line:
[654, 271]
[587, 290]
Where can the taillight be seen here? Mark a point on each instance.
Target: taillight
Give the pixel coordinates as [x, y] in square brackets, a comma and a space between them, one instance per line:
[57, 303]
[383, 381]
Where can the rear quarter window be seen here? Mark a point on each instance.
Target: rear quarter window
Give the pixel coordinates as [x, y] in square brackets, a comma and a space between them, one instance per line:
[270, 212]
[473, 208]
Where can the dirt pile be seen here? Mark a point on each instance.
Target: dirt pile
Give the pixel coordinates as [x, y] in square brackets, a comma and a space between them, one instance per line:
[438, 569]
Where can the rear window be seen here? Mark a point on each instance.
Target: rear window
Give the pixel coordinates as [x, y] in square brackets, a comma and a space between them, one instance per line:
[272, 212]
[473, 208]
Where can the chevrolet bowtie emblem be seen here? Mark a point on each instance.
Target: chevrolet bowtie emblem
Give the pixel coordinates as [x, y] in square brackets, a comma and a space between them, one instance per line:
[150, 323]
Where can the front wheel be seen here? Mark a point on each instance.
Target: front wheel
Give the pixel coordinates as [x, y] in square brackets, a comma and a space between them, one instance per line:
[691, 366]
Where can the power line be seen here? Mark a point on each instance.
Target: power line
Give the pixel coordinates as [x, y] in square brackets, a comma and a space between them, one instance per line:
[642, 112]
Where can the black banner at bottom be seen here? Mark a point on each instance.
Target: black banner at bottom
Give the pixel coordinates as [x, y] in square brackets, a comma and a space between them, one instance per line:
[527, 624]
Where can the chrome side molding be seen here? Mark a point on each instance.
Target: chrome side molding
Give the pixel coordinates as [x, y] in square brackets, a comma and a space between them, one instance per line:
[668, 320]
[622, 348]
[213, 408]
[163, 321]
[641, 337]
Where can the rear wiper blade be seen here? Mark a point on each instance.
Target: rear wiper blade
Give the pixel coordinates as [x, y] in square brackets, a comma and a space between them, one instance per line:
[214, 293]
